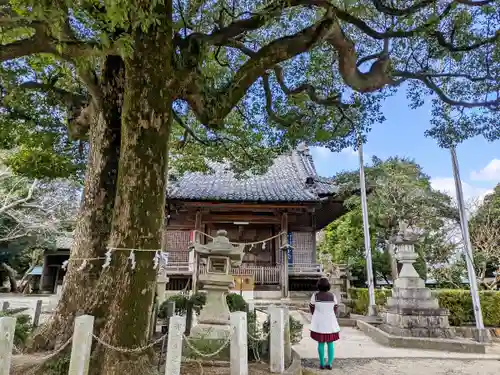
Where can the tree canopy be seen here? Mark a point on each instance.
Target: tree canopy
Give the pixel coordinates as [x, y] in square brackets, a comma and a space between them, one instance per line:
[399, 190]
[485, 238]
[303, 67]
[244, 78]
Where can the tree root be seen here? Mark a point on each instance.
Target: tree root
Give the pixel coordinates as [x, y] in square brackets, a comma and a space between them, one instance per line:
[39, 364]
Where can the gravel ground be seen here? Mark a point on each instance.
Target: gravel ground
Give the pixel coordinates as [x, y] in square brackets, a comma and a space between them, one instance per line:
[253, 369]
[401, 366]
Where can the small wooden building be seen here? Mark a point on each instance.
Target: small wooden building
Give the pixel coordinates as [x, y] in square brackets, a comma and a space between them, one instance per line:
[289, 201]
[290, 198]
[52, 271]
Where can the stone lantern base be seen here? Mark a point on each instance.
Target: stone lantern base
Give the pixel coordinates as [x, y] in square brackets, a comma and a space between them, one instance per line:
[413, 312]
[214, 319]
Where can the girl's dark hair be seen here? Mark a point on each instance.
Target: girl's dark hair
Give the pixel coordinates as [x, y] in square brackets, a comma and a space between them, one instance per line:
[323, 285]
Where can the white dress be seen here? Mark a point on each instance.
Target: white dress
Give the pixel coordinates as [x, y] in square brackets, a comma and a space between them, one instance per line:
[324, 320]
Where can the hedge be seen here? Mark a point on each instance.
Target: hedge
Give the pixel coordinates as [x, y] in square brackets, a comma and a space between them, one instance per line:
[458, 302]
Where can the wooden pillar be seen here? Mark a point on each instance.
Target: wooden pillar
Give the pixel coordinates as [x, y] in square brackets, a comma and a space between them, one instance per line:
[197, 238]
[313, 224]
[284, 255]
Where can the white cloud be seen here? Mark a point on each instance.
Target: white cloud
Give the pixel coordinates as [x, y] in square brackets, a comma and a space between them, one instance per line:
[349, 151]
[489, 173]
[447, 185]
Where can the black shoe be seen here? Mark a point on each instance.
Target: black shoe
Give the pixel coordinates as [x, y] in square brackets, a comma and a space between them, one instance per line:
[328, 367]
[321, 367]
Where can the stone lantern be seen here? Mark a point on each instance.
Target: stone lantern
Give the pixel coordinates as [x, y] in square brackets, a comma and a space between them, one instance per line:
[412, 311]
[219, 257]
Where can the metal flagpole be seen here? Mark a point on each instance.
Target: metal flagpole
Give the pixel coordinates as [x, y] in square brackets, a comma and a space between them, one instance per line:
[372, 311]
[464, 223]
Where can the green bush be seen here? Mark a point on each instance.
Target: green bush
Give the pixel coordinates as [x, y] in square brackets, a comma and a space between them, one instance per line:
[181, 303]
[256, 348]
[23, 328]
[235, 302]
[296, 328]
[359, 299]
[457, 301]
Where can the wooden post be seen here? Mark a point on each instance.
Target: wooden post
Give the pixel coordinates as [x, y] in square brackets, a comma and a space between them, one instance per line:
[7, 328]
[154, 319]
[277, 342]
[314, 259]
[56, 280]
[197, 238]
[37, 311]
[82, 344]
[189, 317]
[174, 345]
[287, 336]
[284, 255]
[239, 344]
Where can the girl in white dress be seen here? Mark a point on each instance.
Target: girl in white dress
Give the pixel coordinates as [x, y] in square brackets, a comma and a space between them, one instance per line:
[325, 328]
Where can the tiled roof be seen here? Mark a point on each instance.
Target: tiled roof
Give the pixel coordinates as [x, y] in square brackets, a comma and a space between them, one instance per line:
[291, 178]
[64, 242]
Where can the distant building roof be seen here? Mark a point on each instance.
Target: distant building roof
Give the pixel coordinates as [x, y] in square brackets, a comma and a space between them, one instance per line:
[37, 271]
[291, 178]
[64, 242]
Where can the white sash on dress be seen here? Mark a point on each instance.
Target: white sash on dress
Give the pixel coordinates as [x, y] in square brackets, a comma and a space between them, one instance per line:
[324, 319]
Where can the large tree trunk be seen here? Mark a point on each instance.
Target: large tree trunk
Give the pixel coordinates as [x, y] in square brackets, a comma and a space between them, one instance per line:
[140, 202]
[81, 294]
[11, 274]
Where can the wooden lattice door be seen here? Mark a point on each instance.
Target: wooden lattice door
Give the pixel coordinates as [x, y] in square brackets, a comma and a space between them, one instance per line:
[259, 254]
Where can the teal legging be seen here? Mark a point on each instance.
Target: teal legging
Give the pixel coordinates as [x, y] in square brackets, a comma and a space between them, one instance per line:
[321, 352]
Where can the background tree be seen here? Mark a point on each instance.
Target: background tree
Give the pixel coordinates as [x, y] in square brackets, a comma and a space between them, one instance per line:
[485, 238]
[137, 60]
[399, 190]
[32, 215]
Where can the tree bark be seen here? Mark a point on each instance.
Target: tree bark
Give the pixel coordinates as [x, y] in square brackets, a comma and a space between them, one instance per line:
[139, 209]
[81, 294]
[11, 274]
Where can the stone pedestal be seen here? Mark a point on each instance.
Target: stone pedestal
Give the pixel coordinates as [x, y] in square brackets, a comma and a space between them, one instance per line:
[214, 324]
[214, 318]
[412, 311]
[161, 288]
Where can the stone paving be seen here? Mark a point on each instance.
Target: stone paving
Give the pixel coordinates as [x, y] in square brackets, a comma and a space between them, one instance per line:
[406, 366]
[355, 344]
[358, 354]
[355, 353]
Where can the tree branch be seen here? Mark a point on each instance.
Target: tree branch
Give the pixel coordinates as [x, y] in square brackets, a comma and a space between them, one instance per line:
[392, 11]
[70, 99]
[188, 130]
[212, 107]
[381, 7]
[269, 105]
[306, 87]
[43, 40]
[426, 79]
[19, 201]
[464, 48]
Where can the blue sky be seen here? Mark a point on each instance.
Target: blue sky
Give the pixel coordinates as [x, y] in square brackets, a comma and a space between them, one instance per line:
[402, 134]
